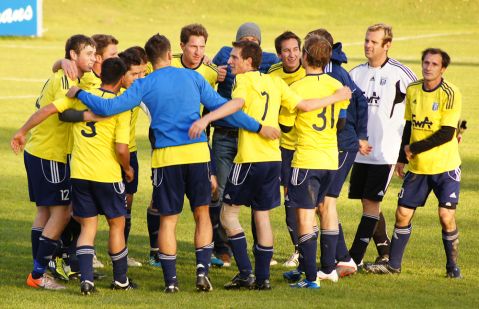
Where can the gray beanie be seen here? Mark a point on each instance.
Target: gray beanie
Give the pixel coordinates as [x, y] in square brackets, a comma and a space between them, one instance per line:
[248, 29]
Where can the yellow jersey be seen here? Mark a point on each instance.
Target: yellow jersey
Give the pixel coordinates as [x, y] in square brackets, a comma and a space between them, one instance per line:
[317, 144]
[90, 81]
[50, 140]
[264, 95]
[208, 71]
[183, 154]
[133, 119]
[94, 156]
[288, 140]
[428, 111]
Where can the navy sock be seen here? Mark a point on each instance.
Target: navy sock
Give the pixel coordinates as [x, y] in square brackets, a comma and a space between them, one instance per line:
[35, 235]
[292, 225]
[363, 235]
[85, 261]
[203, 258]
[120, 265]
[153, 222]
[262, 257]
[127, 224]
[342, 253]
[308, 246]
[240, 252]
[381, 238]
[45, 252]
[168, 264]
[398, 245]
[329, 242]
[451, 242]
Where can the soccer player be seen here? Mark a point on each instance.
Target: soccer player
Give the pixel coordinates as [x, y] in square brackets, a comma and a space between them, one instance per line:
[99, 154]
[288, 48]
[225, 137]
[433, 109]
[180, 165]
[48, 171]
[384, 81]
[254, 179]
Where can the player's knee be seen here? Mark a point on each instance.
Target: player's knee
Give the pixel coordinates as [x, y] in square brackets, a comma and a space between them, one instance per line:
[404, 215]
[447, 218]
[229, 219]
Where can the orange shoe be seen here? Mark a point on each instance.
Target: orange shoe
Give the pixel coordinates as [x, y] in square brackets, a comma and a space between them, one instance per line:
[45, 282]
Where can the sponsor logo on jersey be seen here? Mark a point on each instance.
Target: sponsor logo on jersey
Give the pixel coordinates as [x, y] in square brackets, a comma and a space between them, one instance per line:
[435, 106]
[374, 99]
[421, 123]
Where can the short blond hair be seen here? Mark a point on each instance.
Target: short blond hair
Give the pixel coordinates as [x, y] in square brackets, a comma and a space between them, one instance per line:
[388, 31]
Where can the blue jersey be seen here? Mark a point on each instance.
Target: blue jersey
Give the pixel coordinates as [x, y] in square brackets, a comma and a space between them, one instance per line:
[173, 97]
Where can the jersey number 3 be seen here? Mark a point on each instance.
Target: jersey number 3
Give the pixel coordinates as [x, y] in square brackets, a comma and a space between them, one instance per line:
[90, 124]
[322, 116]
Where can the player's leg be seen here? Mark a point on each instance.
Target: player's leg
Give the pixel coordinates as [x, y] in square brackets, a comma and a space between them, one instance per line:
[381, 239]
[130, 189]
[263, 249]
[85, 252]
[167, 253]
[153, 224]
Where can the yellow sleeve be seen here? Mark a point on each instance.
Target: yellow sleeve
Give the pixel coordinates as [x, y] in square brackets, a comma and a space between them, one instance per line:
[240, 88]
[212, 75]
[451, 109]
[64, 104]
[289, 98]
[122, 129]
[149, 68]
[407, 112]
[286, 118]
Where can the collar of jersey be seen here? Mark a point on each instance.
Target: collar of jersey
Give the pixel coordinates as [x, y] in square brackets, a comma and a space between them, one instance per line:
[294, 71]
[434, 89]
[181, 59]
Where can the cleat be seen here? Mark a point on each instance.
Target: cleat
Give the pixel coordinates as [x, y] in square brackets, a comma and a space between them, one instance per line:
[237, 282]
[332, 276]
[203, 283]
[128, 285]
[216, 261]
[346, 268]
[382, 259]
[273, 262]
[154, 260]
[87, 287]
[133, 263]
[381, 269]
[306, 284]
[226, 258]
[293, 260]
[173, 288]
[73, 275]
[454, 273]
[97, 263]
[56, 267]
[45, 282]
[292, 275]
[265, 285]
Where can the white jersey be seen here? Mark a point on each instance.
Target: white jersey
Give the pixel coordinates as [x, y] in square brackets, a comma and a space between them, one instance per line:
[385, 89]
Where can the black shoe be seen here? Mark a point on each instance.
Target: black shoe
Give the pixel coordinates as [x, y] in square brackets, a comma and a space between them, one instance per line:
[128, 285]
[172, 288]
[237, 282]
[87, 287]
[382, 259]
[454, 273]
[203, 283]
[381, 269]
[265, 285]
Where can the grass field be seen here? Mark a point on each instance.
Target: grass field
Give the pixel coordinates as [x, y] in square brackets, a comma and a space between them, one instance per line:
[26, 63]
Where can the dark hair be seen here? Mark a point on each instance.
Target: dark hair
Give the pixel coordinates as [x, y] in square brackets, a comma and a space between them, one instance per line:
[102, 41]
[193, 29]
[317, 50]
[157, 47]
[250, 50]
[283, 37]
[446, 60]
[77, 43]
[112, 70]
[322, 33]
[140, 51]
[130, 58]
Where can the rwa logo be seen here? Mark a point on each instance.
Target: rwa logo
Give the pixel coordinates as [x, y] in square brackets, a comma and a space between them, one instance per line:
[421, 124]
[10, 15]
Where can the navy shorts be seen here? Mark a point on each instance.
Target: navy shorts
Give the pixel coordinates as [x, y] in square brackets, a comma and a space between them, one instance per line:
[48, 181]
[254, 184]
[307, 188]
[91, 198]
[416, 189]
[370, 181]
[171, 183]
[346, 160]
[286, 158]
[131, 187]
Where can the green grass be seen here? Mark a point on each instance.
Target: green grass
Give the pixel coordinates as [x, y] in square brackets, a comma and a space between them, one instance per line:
[420, 285]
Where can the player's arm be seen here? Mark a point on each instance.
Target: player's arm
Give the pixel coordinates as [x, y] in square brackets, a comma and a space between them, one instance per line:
[73, 115]
[123, 155]
[18, 140]
[341, 94]
[122, 137]
[68, 66]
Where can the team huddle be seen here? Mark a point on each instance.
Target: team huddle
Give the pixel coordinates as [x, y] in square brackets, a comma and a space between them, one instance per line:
[295, 119]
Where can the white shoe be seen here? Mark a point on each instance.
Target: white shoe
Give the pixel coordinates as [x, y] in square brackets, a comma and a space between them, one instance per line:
[332, 276]
[293, 260]
[346, 268]
[133, 263]
[97, 263]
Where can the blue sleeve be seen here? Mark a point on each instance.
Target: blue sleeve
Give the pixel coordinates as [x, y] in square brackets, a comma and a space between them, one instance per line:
[361, 111]
[107, 107]
[242, 121]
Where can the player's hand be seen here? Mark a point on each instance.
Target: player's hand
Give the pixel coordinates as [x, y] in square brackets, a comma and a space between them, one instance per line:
[399, 169]
[409, 154]
[70, 69]
[18, 142]
[269, 132]
[206, 60]
[214, 186]
[364, 147]
[129, 174]
[343, 93]
[197, 128]
[91, 116]
[221, 73]
[72, 92]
